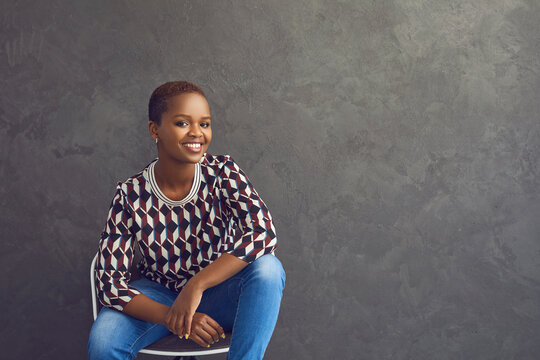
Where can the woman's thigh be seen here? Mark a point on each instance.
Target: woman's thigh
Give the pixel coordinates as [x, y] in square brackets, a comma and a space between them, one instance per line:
[221, 301]
[115, 335]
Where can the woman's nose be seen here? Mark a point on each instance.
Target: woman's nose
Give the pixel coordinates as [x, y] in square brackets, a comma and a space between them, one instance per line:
[195, 131]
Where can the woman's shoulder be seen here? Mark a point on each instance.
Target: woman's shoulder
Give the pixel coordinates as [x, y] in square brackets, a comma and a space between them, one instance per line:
[221, 166]
[217, 163]
[215, 160]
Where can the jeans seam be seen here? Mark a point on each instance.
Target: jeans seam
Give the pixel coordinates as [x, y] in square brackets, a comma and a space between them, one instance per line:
[140, 336]
[235, 316]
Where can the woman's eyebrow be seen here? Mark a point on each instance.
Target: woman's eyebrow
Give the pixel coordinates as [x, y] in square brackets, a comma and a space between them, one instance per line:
[189, 117]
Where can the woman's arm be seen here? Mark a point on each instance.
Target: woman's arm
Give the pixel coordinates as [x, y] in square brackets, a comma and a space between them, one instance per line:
[255, 234]
[144, 308]
[180, 315]
[115, 254]
[218, 271]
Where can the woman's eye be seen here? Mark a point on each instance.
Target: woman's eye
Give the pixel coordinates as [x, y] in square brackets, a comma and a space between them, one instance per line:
[181, 123]
[205, 125]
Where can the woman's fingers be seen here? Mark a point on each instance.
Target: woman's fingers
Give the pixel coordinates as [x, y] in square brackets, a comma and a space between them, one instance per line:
[179, 325]
[206, 336]
[207, 328]
[187, 319]
[219, 332]
[199, 340]
[211, 331]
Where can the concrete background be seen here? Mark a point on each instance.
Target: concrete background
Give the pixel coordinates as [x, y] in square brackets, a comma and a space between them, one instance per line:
[396, 143]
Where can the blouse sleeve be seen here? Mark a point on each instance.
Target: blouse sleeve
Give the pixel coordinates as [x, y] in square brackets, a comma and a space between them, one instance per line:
[255, 234]
[115, 255]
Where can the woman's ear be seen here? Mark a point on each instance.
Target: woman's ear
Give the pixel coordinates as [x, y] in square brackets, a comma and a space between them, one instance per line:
[153, 128]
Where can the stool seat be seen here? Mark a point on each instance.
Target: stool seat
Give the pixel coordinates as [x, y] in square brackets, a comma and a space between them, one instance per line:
[172, 344]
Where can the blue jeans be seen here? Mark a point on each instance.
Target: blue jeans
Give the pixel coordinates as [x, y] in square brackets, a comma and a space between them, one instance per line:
[247, 303]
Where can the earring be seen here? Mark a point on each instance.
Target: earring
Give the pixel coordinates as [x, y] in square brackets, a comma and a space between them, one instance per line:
[156, 140]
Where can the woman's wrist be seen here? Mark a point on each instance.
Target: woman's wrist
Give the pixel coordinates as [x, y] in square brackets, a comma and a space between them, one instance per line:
[195, 283]
[163, 315]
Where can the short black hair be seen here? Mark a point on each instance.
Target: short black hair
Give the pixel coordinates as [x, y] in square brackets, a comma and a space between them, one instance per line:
[158, 100]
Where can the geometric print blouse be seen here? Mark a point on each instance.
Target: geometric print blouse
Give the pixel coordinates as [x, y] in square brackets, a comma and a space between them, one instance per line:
[221, 214]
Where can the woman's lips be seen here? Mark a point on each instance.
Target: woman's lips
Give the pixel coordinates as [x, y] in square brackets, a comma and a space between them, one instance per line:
[193, 147]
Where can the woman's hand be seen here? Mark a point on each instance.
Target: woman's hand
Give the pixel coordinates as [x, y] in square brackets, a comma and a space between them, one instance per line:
[180, 315]
[204, 330]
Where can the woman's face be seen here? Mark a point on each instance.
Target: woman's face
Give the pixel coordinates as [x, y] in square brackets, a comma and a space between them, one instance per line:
[185, 132]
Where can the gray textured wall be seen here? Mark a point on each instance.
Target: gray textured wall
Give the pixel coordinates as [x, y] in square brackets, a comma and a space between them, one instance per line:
[397, 144]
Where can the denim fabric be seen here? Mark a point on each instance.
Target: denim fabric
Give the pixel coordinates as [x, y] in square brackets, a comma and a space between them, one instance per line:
[247, 303]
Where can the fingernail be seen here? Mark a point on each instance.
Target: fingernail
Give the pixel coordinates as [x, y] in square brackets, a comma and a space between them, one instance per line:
[223, 335]
[186, 336]
[207, 346]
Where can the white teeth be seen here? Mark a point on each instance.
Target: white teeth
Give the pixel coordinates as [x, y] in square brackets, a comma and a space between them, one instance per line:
[194, 146]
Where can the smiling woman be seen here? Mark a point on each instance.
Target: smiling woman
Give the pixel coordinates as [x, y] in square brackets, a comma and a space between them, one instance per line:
[207, 238]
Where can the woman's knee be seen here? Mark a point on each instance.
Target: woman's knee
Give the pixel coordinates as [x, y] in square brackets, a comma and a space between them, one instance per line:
[269, 269]
[99, 345]
[105, 340]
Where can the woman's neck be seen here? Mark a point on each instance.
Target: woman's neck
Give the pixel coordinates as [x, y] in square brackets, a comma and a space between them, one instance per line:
[174, 177]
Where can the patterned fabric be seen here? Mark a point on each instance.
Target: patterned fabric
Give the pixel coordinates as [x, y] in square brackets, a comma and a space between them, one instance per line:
[221, 214]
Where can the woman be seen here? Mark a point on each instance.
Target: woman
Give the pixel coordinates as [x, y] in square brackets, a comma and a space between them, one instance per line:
[207, 238]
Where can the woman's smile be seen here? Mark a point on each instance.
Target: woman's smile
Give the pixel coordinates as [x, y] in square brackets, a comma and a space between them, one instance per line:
[195, 147]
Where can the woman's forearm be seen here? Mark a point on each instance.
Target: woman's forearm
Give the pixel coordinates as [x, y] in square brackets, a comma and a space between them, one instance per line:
[143, 308]
[218, 271]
